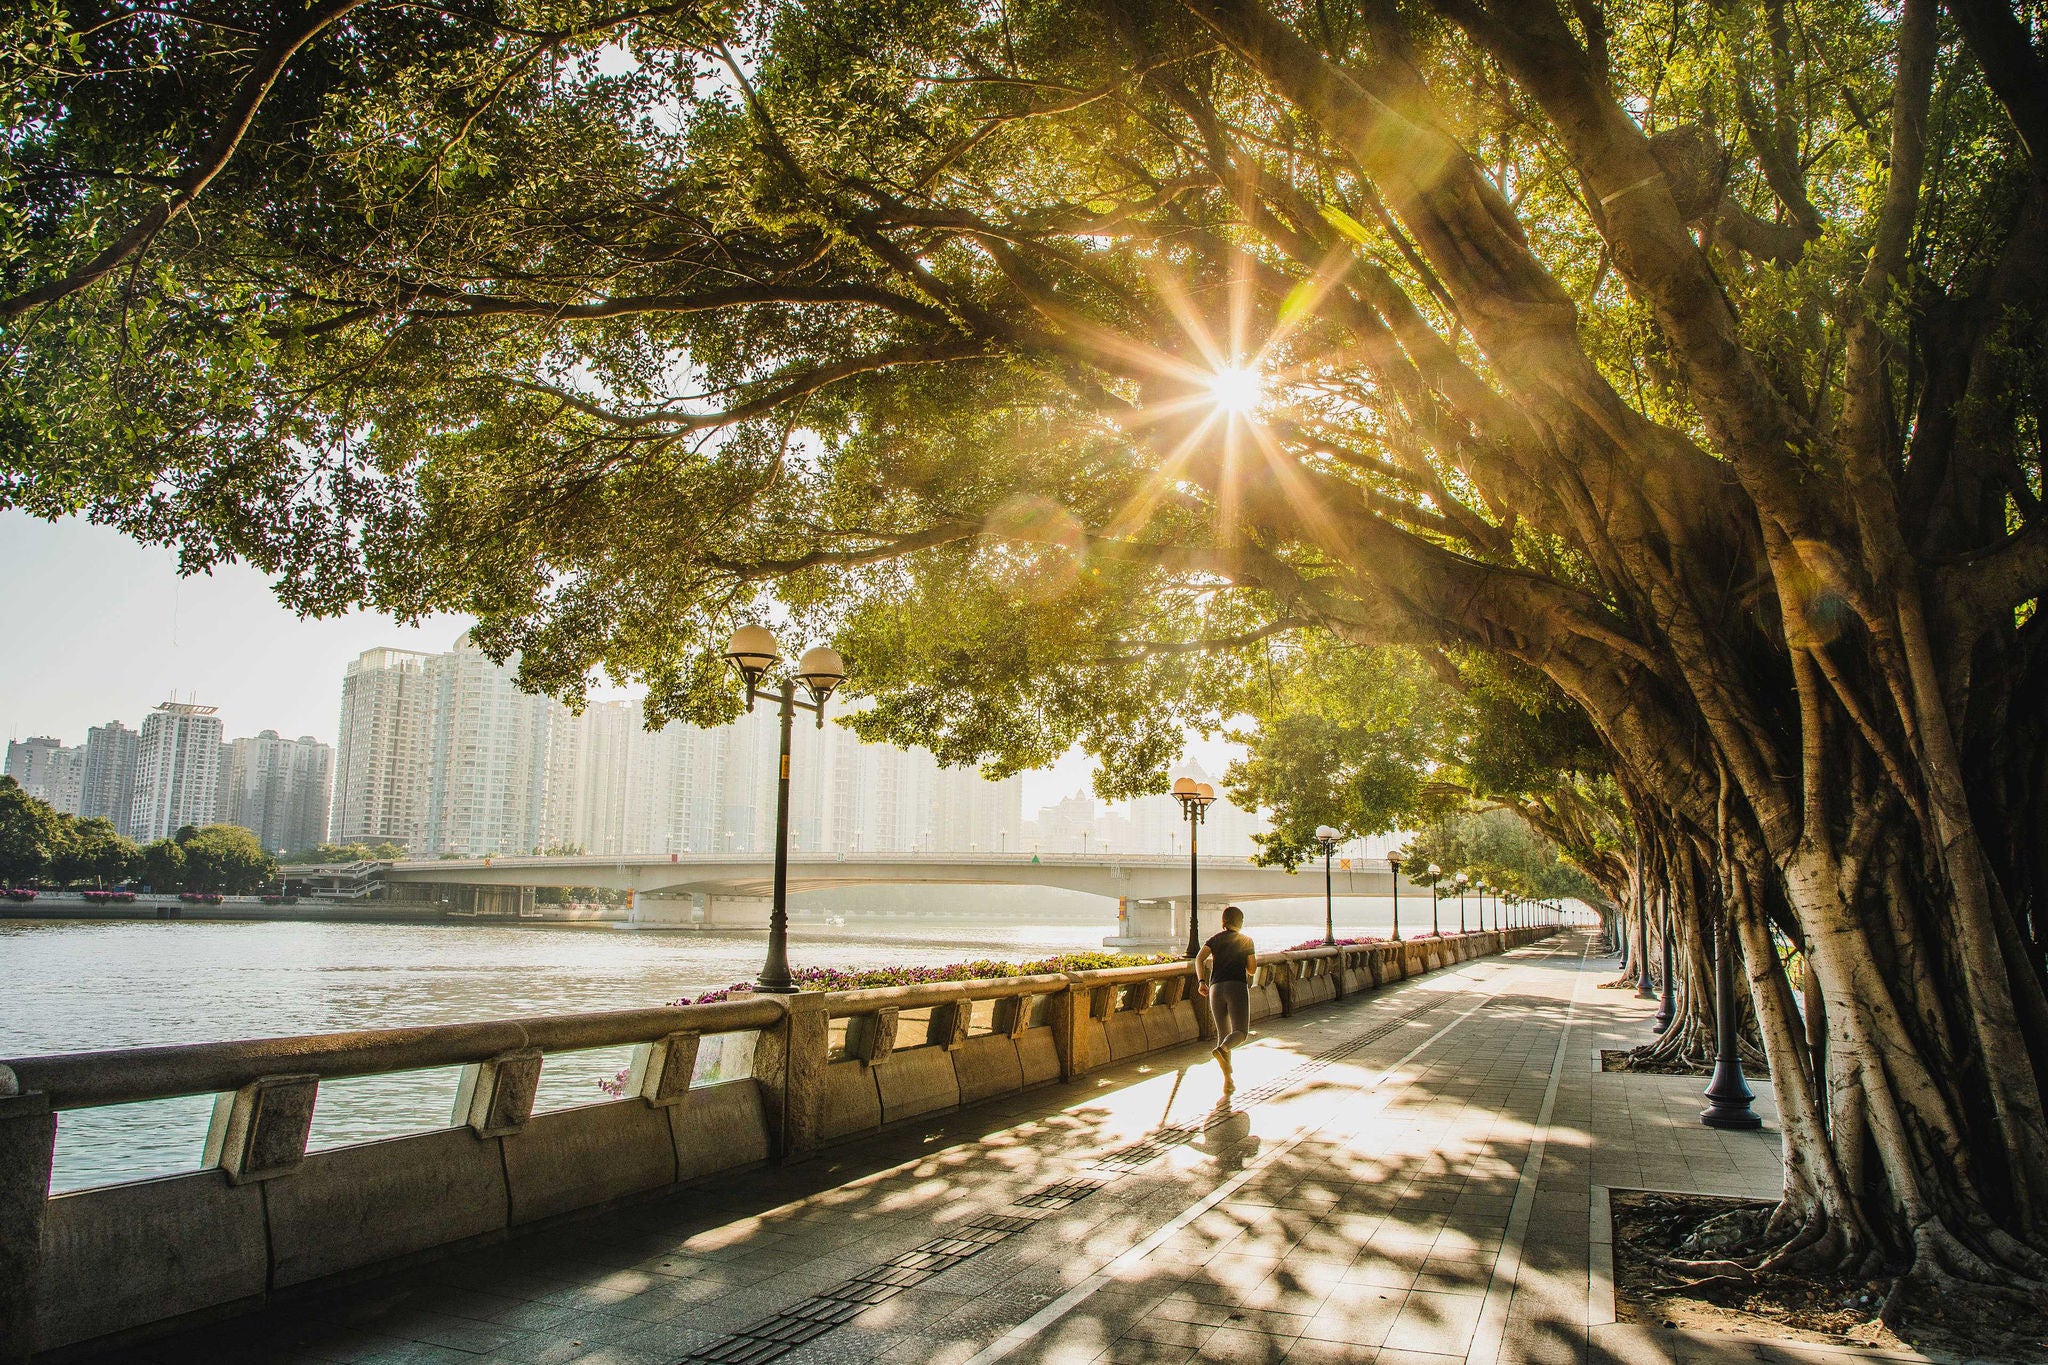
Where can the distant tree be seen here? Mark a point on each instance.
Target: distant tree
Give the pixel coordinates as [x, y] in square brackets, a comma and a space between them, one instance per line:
[184, 835]
[1374, 740]
[163, 866]
[1501, 846]
[227, 859]
[96, 852]
[345, 853]
[32, 833]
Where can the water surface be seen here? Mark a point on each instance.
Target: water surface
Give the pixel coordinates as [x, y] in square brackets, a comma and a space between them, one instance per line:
[75, 986]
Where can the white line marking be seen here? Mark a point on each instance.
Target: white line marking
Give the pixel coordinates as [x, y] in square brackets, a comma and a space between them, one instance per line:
[1491, 1337]
[1029, 1329]
[1600, 1260]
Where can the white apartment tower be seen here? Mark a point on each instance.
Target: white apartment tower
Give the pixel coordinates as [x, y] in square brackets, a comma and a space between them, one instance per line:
[177, 770]
[490, 769]
[47, 770]
[384, 751]
[277, 789]
[502, 763]
[107, 784]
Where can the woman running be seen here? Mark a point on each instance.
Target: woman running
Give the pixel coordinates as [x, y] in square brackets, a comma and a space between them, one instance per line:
[1223, 973]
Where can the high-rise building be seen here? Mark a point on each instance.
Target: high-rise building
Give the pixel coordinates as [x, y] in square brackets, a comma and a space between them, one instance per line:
[277, 789]
[605, 799]
[28, 762]
[177, 770]
[505, 772]
[66, 782]
[47, 770]
[384, 751]
[107, 782]
[496, 752]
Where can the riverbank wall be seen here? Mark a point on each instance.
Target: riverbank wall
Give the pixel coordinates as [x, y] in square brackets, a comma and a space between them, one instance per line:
[713, 1090]
[52, 905]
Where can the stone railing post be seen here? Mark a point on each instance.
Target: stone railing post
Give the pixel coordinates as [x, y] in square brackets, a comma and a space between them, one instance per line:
[496, 1097]
[1068, 1012]
[872, 1037]
[259, 1131]
[28, 1142]
[949, 1024]
[662, 1071]
[789, 1062]
[1283, 978]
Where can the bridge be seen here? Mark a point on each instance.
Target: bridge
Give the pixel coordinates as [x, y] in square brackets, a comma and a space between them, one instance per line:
[1151, 889]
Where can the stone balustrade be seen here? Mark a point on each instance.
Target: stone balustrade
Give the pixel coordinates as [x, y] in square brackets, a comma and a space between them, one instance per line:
[712, 1089]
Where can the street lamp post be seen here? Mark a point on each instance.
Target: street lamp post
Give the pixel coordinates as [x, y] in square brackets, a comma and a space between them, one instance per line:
[1436, 899]
[1479, 889]
[1194, 798]
[1667, 1008]
[752, 651]
[1394, 862]
[1464, 880]
[1728, 1096]
[1329, 839]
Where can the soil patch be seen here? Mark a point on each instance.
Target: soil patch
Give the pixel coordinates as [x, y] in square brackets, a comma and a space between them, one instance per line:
[1836, 1310]
[1617, 1059]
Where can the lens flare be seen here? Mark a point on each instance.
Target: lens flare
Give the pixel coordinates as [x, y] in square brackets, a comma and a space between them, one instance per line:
[1237, 391]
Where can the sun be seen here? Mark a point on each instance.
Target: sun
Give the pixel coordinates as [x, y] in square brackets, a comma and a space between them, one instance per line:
[1236, 391]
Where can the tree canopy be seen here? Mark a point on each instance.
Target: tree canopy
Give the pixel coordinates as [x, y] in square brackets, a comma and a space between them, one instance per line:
[227, 859]
[1061, 361]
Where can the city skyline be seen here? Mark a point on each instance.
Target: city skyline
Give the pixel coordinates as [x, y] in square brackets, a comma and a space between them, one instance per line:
[441, 753]
[104, 600]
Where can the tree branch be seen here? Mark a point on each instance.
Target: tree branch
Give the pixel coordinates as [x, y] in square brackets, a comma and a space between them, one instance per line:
[213, 155]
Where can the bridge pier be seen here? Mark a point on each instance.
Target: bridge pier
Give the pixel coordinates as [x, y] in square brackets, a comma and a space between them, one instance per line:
[490, 902]
[736, 912]
[662, 912]
[1160, 926]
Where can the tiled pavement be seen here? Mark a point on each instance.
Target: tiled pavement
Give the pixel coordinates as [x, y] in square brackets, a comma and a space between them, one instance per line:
[1418, 1192]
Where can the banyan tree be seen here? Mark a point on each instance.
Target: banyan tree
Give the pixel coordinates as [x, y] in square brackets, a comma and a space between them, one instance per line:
[1069, 359]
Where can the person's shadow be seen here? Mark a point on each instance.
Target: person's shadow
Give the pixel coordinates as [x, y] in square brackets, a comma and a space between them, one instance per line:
[1227, 1136]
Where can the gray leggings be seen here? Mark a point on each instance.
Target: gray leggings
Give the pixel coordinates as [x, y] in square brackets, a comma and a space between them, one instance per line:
[1231, 1003]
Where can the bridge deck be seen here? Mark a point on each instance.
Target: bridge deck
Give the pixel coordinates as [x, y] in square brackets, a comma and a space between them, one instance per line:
[1404, 1177]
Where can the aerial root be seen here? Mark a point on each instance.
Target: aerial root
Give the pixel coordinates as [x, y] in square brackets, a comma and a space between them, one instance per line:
[1950, 1276]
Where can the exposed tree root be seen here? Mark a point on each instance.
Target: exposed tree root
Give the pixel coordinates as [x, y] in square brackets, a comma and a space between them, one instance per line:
[1985, 1288]
[1687, 1048]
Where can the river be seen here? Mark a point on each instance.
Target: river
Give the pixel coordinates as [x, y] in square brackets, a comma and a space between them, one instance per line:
[68, 986]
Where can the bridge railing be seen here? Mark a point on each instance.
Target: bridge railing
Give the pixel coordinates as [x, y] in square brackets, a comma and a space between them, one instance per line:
[710, 1089]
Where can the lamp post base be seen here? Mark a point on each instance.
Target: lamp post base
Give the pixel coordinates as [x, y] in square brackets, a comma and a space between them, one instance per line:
[1730, 1098]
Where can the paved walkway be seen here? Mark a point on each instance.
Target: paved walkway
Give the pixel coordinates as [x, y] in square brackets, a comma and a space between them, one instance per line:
[1406, 1178]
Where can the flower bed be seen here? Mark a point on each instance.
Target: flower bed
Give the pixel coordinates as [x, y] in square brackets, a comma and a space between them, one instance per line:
[1366, 942]
[981, 969]
[1340, 943]
[20, 893]
[109, 897]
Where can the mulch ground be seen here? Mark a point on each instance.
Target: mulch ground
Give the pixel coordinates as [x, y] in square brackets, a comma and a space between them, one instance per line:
[1617, 1059]
[1834, 1309]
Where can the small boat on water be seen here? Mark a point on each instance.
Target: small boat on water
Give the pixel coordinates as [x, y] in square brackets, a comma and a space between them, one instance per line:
[836, 921]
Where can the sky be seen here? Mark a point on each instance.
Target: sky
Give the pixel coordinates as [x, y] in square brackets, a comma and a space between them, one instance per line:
[94, 627]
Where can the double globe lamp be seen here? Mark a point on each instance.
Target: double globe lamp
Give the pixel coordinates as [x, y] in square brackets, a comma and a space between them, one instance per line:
[752, 652]
[1195, 798]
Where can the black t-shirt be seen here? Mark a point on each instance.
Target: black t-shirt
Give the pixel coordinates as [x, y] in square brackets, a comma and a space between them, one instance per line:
[1228, 952]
